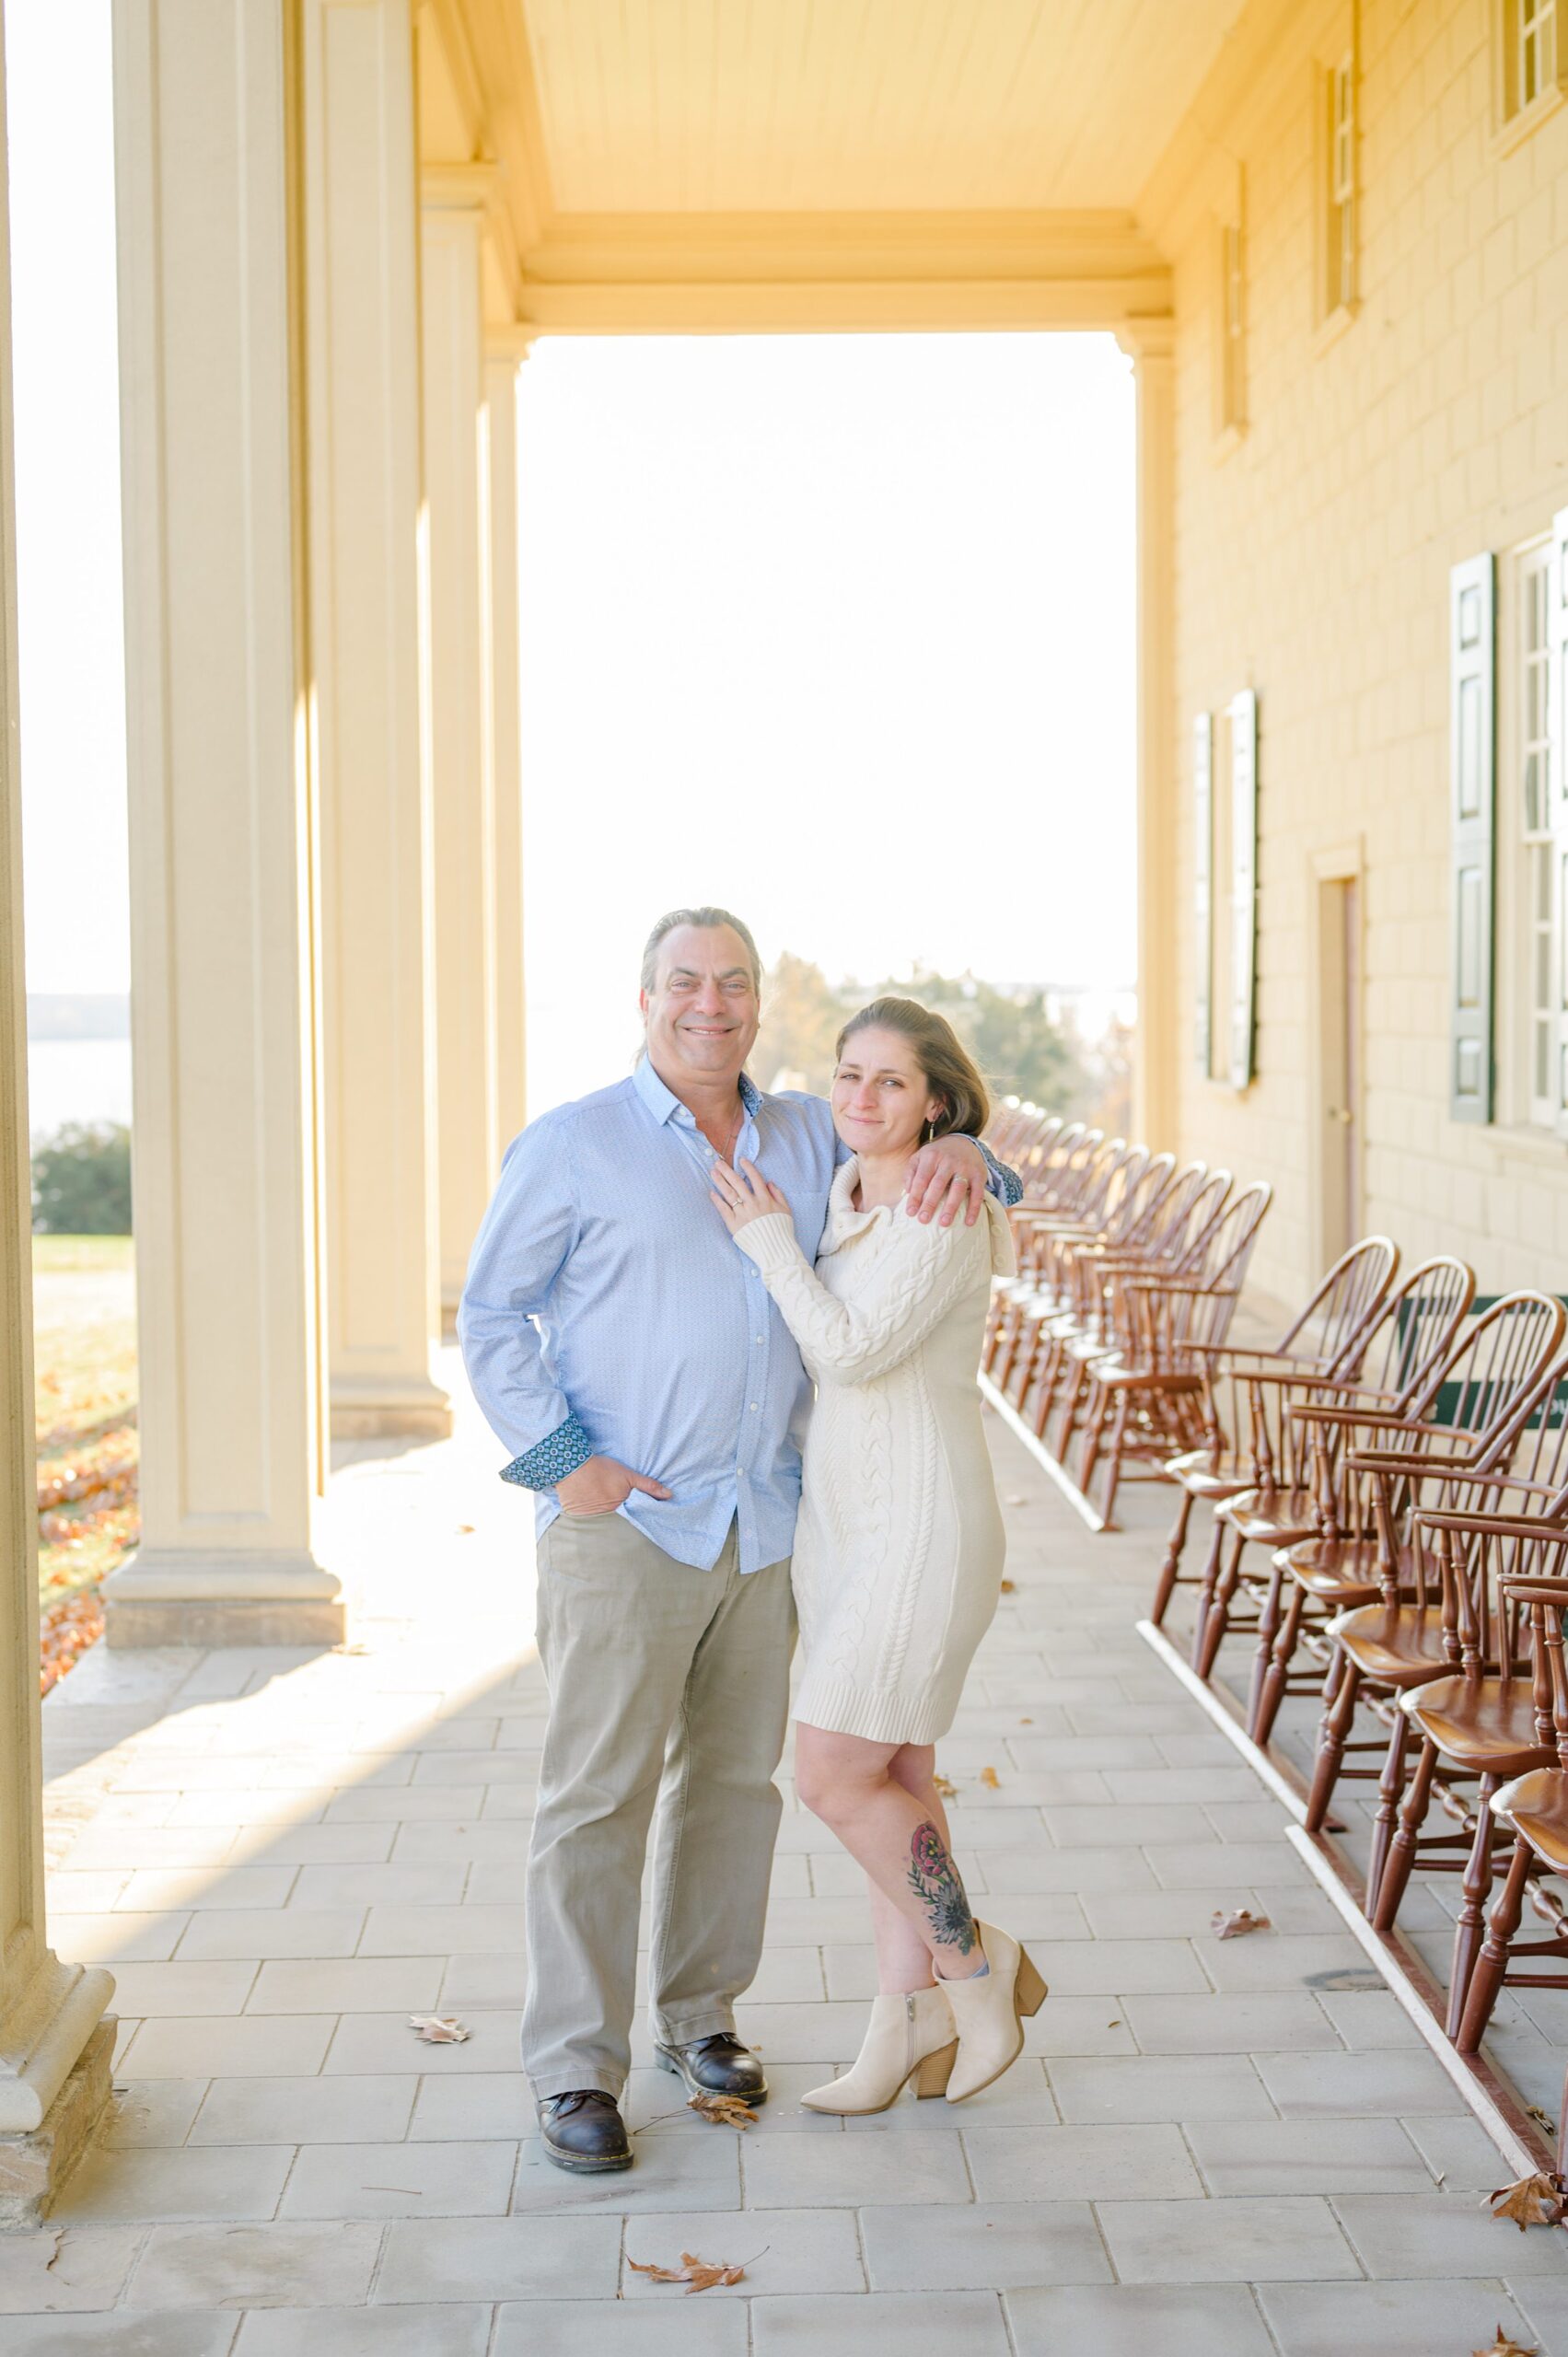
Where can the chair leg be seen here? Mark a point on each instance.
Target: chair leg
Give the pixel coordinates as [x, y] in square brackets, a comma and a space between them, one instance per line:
[1113, 1470]
[1206, 1591]
[1471, 1924]
[1478, 1998]
[1172, 1563]
[1333, 1734]
[1390, 1792]
[1218, 1621]
[1094, 1425]
[1268, 1620]
[1395, 1875]
[1273, 1688]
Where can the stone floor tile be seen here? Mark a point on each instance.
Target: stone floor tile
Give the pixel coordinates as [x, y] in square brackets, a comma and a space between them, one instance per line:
[46, 2272]
[1285, 2021]
[1139, 2321]
[1149, 1826]
[483, 1768]
[1394, 2319]
[1044, 1755]
[654, 2104]
[183, 1987]
[121, 2335]
[441, 1930]
[380, 1883]
[1067, 1872]
[847, 2173]
[111, 1939]
[1082, 2164]
[306, 1806]
[160, 2111]
[670, 2172]
[1193, 1866]
[438, 2259]
[986, 2248]
[1179, 2088]
[314, 1846]
[275, 1932]
[304, 2111]
[1370, 2019]
[1206, 1787]
[782, 2250]
[1394, 2084]
[674, 2328]
[403, 1805]
[454, 2330]
[209, 2046]
[1443, 2234]
[113, 2185]
[492, 1982]
[345, 1985]
[1459, 2153]
[402, 2180]
[365, 2045]
[125, 1846]
[913, 2324]
[1244, 1820]
[440, 1843]
[1225, 2241]
[1119, 1967]
[153, 1889]
[1079, 2026]
[493, 2105]
[1364, 2155]
[255, 2267]
[1162, 1914]
[818, 2033]
[1275, 1959]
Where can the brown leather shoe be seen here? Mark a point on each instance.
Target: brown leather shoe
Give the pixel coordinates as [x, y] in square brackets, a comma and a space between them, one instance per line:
[584, 2131]
[716, 2066]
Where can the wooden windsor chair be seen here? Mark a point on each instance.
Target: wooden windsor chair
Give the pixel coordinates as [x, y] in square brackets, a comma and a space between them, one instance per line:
[1068, 1339]
[1249, 1391]
[1533, 1807]
[1101, 1186]
[1389, 1634]
[1130, 1219]
[1146, 1399]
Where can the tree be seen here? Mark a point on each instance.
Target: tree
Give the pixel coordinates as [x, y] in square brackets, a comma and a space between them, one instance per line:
[802, 1017]
[81, 1180]
[1010, 1034]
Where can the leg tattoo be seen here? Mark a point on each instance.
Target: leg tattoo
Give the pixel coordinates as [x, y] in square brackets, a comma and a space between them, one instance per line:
[936, 1883]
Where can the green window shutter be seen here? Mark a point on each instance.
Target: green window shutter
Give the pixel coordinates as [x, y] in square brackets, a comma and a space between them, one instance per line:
[1557, 791]
[1203, 889]
[1243, 715]
[1473, 763]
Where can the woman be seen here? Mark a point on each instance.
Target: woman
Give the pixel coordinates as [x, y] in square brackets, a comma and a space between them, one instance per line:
[897, 1554]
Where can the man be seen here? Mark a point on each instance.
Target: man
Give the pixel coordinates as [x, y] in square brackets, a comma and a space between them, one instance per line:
[650, 1393]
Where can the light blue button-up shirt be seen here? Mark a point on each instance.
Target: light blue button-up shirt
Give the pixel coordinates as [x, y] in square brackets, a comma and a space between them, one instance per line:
[607, 1302]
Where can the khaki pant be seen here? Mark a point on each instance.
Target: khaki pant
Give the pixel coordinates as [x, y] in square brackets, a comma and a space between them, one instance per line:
[668, 1684]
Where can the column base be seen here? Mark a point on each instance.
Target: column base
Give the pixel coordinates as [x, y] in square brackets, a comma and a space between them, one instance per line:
[35, 2165]
[177, 1599]
[363, 1408]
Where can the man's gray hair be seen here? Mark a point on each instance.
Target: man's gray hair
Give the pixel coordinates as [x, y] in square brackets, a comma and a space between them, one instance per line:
[708, 919]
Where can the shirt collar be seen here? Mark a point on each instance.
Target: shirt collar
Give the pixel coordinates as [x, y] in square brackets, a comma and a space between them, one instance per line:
[662, 1102]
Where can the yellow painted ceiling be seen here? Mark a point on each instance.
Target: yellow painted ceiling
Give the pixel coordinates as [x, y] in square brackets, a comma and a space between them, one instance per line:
[863, 106]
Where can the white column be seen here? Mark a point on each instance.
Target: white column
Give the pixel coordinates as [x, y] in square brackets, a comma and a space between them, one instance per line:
[460, 723]
[362, 343]
[503, 642]
[1155, 1096]
[55, 2047]
[224, 937]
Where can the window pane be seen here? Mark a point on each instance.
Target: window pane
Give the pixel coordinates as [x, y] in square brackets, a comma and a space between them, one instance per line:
[1468, 918]
[1470, 747]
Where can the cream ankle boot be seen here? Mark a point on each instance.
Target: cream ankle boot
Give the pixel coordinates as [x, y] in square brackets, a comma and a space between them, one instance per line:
[907, 2037]
[988, 2013]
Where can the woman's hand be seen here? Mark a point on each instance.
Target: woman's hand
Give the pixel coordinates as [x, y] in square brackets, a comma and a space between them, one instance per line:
[744, 1195]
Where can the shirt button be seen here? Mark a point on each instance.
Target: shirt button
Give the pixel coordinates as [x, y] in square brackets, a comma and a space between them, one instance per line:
[753, 1407]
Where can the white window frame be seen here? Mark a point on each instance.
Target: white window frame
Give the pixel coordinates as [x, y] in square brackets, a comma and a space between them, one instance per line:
[1529, 48]
[1340, 223]
[1531, 770]
[1230, 329]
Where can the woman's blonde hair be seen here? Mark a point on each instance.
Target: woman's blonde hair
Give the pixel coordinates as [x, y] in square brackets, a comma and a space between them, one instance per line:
[949, 1070]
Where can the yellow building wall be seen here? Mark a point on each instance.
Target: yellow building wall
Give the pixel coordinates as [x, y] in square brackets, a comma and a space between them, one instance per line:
[1311, 562]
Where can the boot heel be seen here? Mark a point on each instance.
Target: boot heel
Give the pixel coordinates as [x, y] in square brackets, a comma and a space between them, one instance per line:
[1031, 1991]
[932, 2073]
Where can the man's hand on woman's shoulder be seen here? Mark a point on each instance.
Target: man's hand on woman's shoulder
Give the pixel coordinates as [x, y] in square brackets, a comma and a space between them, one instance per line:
[949, 1175]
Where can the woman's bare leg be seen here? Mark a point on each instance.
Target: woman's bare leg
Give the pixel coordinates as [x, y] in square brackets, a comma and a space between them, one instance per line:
[881, 1800]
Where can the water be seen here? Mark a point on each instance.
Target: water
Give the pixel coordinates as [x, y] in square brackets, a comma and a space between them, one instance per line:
[77, 1079]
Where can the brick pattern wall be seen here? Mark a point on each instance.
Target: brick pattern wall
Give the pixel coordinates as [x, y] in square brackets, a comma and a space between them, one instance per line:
[1312, 563]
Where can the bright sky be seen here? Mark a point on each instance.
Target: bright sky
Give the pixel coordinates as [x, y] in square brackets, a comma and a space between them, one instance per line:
[835, 630]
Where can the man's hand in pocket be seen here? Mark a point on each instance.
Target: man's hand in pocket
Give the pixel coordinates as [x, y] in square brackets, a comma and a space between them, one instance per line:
[599, 1485]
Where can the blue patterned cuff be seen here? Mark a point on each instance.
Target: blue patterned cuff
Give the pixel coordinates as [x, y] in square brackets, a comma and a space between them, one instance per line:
[551, 1459]
[1008, 1183]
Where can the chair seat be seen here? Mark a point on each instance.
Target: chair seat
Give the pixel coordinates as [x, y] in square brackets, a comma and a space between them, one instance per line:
[1118, 1376]
[1536, 1805]
[1487, 1724]
[1272, 1518]
[1398, 1644]
[1344, 1570]
[1208, 1473]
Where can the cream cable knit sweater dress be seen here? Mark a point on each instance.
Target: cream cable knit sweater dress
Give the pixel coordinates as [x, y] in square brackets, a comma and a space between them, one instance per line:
[898, 1549]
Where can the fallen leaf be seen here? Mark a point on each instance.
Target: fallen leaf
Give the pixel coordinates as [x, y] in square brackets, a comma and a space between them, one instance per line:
[1025, 1722]
[1503, 2347]
[1009, 1587]
[1237, 1926]
[991, 1780]
[438, 2031]
[1543, 2118]
[465, 1529]
[1116, 2023]
[723, 2111]
[1535, 2200]
[945, 1786]
[59, 2246]
[697, 2274]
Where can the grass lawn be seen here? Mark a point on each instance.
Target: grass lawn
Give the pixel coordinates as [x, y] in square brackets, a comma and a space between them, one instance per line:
[84, 1366]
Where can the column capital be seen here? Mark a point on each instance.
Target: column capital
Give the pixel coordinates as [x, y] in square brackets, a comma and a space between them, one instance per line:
[513, 340]
[1149, 337]
[458, 188]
